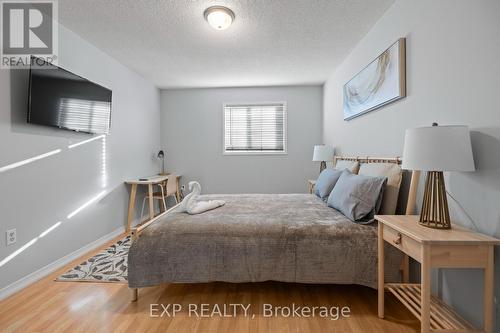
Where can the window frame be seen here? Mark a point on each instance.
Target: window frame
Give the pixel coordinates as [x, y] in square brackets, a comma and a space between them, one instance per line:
[253, 152]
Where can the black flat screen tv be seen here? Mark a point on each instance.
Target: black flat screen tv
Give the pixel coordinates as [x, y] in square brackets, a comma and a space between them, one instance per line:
[62, 99]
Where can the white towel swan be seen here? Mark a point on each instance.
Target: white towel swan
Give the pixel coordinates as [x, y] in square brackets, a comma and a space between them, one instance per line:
[191, 206]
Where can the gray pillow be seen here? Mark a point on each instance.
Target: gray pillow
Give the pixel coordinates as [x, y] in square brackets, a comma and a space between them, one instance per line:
[357, 197]
[325, 182]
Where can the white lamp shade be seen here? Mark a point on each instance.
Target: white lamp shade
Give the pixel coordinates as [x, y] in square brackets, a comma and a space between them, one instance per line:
[322, 153]
[438, 148]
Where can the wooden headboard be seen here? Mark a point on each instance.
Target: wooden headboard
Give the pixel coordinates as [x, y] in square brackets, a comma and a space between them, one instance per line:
[415, 175]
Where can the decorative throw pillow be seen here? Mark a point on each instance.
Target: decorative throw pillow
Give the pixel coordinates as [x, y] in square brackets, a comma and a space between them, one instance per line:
[325, 182]
[352, 166]
[358, 197]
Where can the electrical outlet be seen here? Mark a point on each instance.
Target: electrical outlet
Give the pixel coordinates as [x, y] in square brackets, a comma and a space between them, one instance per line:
[11, 236]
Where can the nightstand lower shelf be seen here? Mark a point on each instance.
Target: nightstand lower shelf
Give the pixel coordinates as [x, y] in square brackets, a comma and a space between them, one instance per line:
[443, 318]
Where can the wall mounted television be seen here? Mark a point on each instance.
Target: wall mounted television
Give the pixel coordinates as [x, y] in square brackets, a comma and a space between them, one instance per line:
[62, 99]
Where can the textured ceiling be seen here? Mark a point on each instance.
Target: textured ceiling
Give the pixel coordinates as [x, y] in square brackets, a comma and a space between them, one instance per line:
[271, 42]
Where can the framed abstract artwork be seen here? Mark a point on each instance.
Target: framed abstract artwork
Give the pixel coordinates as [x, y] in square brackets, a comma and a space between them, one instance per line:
[381, 82]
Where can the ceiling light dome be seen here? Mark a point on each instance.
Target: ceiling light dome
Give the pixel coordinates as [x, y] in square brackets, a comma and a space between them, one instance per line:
[219, 17]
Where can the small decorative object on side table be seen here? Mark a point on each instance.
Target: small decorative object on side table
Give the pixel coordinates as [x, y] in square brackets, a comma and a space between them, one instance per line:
[455, 248]
[310, 185]
[436, 149]
[323, 154]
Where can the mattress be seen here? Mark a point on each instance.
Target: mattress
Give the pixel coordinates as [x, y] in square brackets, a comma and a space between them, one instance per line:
[259, 237]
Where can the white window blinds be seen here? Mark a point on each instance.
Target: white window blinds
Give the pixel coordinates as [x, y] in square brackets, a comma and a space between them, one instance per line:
[255, 128]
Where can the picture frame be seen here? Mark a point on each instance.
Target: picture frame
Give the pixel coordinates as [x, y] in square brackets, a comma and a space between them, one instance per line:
[381, 82]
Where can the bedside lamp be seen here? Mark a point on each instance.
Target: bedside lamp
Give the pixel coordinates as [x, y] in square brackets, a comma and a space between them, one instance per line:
[322, 153]
[436, 149]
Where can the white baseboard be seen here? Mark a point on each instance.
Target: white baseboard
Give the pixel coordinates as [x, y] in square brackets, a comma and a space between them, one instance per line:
[46, 270]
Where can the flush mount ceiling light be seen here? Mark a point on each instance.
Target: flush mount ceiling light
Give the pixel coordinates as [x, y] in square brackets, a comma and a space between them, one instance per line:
[219, 17]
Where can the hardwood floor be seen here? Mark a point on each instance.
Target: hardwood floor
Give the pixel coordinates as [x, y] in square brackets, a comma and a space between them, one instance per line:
[49, 306]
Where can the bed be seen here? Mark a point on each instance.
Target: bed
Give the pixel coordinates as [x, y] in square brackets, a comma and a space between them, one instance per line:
[258, 237]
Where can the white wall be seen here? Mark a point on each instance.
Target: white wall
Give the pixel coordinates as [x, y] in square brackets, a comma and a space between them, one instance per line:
[191, 128]
[453, 77]
[35, 196]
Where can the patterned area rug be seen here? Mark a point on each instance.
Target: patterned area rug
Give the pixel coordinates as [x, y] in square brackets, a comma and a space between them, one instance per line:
[109, 265]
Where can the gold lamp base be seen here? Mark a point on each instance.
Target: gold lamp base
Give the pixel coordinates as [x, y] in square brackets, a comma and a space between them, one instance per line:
[435, 213]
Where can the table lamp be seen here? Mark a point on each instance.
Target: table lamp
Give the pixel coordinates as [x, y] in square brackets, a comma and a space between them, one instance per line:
[436, 149]
[322, 153]
[161, 156]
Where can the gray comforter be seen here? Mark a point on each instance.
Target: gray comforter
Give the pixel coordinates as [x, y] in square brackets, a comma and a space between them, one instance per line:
[259, 237]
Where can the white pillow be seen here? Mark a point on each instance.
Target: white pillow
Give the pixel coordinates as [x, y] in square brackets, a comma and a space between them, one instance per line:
[352, 166]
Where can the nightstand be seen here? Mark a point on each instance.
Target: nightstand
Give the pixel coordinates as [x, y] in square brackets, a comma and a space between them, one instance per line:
[311, 183]
[433, 248]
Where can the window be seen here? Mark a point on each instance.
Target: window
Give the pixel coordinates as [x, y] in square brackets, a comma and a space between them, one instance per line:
[255, 128]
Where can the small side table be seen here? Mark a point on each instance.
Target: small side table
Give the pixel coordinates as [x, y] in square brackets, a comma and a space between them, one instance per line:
[454, 248]
[310, 185]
